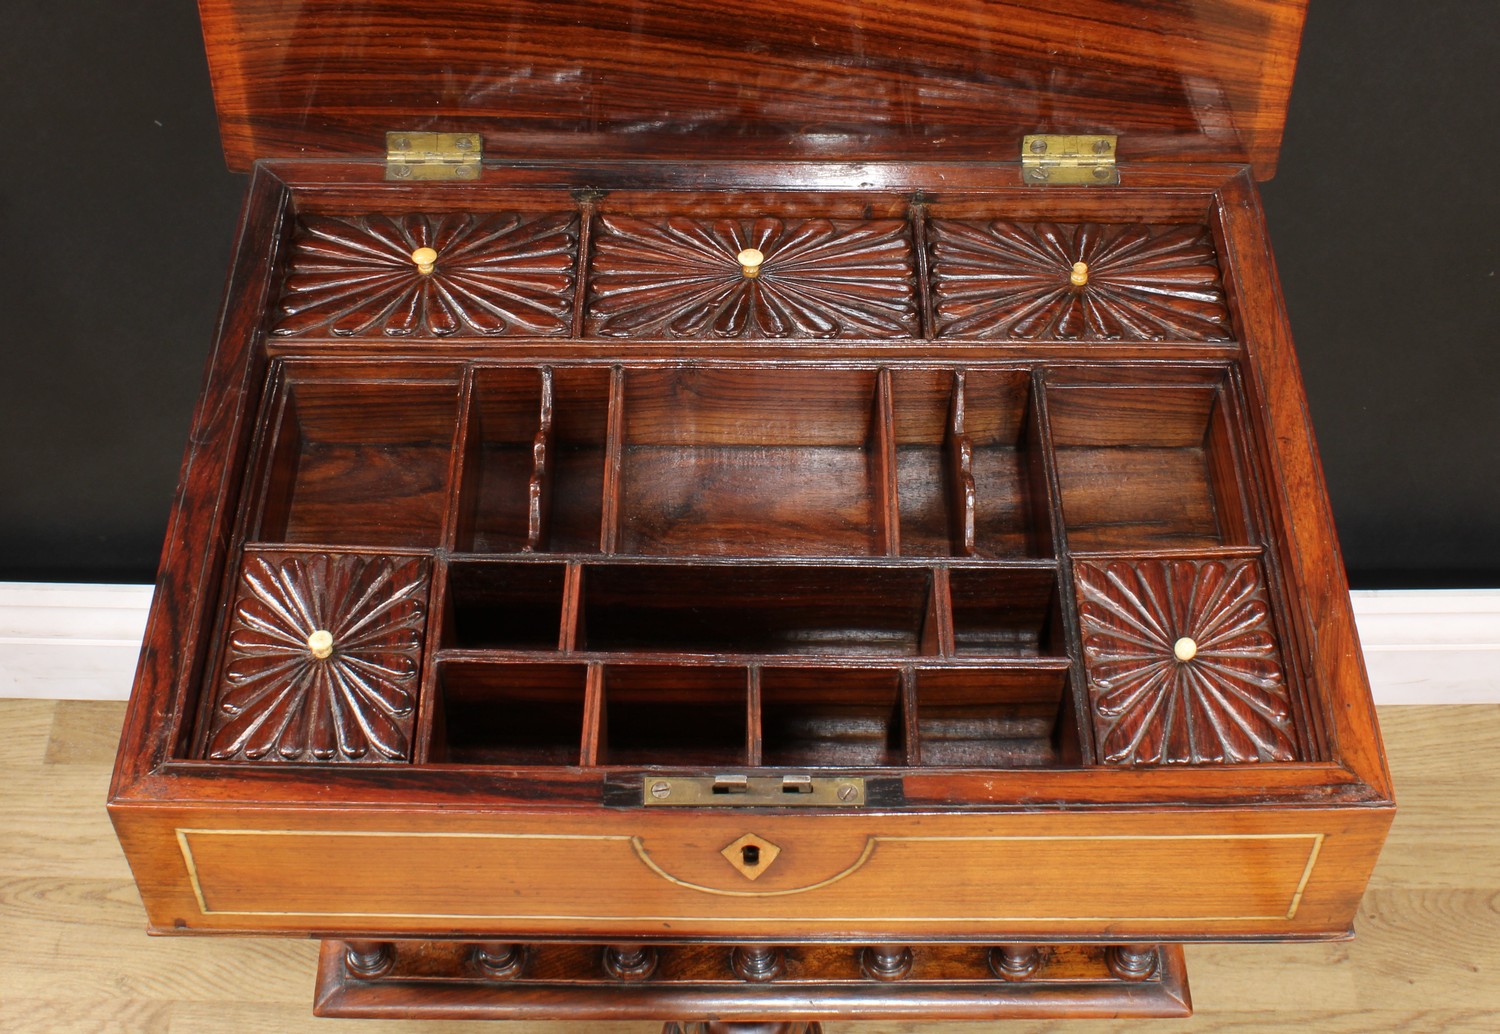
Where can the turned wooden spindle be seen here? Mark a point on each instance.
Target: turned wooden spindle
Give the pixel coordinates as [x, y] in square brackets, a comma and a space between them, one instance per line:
[1015, 961]
[425, 258]
[886, 962]
[630, 961]
[369, 959]
[1185, 649]
[744, 1027]
[1079, 276]
[499, 960]
[750, 262]
[757, 963]
[1132, 961]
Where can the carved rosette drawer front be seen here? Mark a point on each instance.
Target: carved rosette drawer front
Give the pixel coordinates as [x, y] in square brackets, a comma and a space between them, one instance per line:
[490, 275]
[680, 277]
[1182, 661]
[322, 659]
[1087, 281]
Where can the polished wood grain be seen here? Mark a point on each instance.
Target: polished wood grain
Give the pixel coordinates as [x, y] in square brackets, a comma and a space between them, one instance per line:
[280, 699]
[75, 959]
[707, 552]
[1182, 661]
[1085, 281]
[490, 275]
[1207, 79]
[682, 277]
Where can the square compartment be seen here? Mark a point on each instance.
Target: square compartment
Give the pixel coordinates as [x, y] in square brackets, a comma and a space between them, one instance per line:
[989, 717]
[830, 717]
[940, 418]
[748, 609]
[1147, 466]
[751, 462]
[1001, 612]
[509, 714]
[660, 715]
[543, 427]
[504, 606]
[358, 461]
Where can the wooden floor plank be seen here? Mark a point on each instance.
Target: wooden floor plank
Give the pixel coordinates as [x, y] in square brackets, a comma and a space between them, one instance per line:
[74, 956]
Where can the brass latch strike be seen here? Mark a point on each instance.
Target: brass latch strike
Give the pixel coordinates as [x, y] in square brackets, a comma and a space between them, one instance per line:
[1069, 160]
[747, 791]
[433, 156]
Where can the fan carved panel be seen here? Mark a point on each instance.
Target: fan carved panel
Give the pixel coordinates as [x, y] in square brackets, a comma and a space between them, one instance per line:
[1182, 662]
[1020, 280]
[493, 275]
[323, 659]
[821, 278]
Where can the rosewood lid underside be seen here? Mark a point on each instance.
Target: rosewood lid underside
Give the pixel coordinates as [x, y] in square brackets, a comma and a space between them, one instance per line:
[1204, 80]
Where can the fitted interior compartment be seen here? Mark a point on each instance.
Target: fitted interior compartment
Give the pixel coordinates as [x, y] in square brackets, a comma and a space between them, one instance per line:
[534, 460]
[969, 473]
[509, 714]
[1005, 612]
[748, 608]
[358, 460]
[500, 605]
[667, 715]
[751, 462]
[1147, 465]
[989, 717]
[851, 717]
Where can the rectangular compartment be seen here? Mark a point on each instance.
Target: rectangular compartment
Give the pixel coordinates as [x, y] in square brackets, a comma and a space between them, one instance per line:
[829, 717]
[509, 427]
[751, 462]
[970, 482]
[1005, 612]
[747, 608]
[509, 714]
[1147, 465]
[989, 717]
[498, 605]
[666, 715]
[358, 460]
[533, 474]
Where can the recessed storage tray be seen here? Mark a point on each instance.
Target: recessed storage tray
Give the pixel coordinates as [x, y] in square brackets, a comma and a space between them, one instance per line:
[752, 462]
[534, 460]
[356, 459]
[754, 609]
[833, 717]
[509, 714]
[1147, 461]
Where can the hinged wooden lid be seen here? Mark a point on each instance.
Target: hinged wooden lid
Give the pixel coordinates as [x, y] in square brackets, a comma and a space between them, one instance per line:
[1204, 80]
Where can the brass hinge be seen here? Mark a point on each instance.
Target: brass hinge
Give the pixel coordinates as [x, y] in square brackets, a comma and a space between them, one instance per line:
[433, 156]
[1069, 160]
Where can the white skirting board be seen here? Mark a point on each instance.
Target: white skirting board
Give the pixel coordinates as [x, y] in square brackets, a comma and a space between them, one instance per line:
[79, 642]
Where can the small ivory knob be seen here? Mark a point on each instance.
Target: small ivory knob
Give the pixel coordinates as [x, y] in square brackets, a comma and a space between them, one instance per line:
[1080, 274]
[424, 258]
[320, 644]
[750, 260]
[1184, 649]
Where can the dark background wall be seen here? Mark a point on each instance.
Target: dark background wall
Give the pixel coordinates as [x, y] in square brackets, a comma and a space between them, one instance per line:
[116, 218]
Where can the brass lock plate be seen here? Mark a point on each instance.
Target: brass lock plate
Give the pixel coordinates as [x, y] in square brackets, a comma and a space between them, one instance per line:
[753, 791]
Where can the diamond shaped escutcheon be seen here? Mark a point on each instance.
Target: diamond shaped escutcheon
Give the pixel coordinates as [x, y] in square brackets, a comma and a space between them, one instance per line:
[751, 855]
